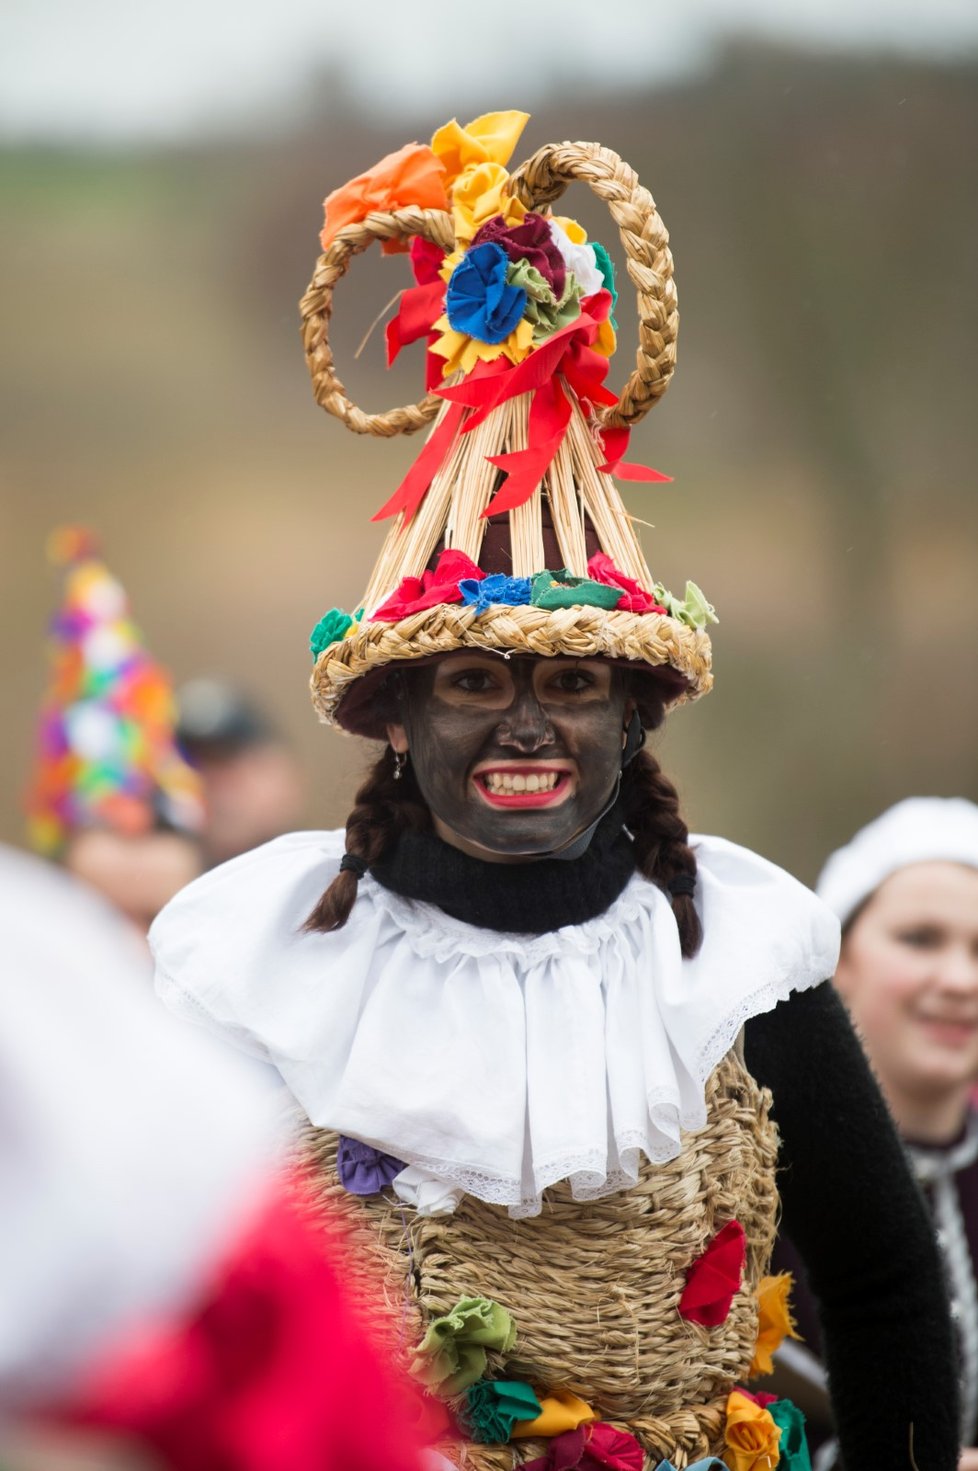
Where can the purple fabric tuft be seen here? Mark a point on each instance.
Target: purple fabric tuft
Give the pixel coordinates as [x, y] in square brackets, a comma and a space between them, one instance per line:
[362, 1169]
[531, 241]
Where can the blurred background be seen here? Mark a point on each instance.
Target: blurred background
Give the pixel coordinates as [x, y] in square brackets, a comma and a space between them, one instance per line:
[162, 171]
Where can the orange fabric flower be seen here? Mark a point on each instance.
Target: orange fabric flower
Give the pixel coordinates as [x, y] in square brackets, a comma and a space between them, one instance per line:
[751, 1436]
[412, 175]
[774, 1320]
[559, 1411]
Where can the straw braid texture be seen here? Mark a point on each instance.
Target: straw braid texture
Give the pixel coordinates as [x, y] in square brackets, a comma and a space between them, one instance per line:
[578, 632]
[316, 308]
[592, 1286]
[541, 180]
[537, 182]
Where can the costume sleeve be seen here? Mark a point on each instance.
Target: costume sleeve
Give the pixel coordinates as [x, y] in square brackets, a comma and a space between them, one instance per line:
[854, 1211]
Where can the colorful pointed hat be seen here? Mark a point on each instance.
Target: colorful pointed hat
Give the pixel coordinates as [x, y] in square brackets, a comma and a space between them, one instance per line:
[106, 754]
[508, 531]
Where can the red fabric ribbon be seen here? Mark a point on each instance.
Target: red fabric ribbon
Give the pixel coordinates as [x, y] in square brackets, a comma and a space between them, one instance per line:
[598, 1447]
[714, 1278]
[419, 306]
[568, 355]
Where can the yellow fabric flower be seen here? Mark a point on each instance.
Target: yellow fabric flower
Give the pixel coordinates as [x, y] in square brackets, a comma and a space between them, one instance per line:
[751, 1436]
[487, 139]
[571, 229]
[480, 194]
[560, 1411]
[461, 353]
[774, 1320]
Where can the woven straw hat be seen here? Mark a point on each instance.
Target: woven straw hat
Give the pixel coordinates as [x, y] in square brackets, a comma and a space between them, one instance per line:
[508, 532]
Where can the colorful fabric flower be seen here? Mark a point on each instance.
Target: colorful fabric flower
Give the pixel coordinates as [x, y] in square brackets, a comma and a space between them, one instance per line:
[480, 302]
[426, 1193]
[453, 1352]
[578, 258]
[461, 352]
[794, 1442]
[412, 175]
[478, 195]
[362, 1169]
[606, 266]
[562, 590]
[560, 1411]
[494, 1406]
[598, 1447]
[490, 138]
[496, 588]
[713, 1280]
[694, 610]
[751, 1436]
[530, 241]
[434, 586]
[634, 597]
[332, 627]
[543, 310]
[712, 1463]
[774, 1321]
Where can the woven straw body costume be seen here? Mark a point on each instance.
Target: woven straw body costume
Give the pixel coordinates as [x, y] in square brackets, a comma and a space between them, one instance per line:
[593, 1286]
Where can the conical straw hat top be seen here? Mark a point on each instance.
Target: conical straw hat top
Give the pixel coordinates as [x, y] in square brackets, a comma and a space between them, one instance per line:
[508, 531]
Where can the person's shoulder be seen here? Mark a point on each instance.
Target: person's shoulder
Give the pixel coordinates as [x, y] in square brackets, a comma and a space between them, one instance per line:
[757, 914]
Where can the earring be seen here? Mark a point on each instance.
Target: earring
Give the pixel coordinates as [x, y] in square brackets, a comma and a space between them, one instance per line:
[400, 761]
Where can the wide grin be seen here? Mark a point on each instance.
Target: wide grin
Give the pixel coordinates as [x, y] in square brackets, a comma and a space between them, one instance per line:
[527, 786]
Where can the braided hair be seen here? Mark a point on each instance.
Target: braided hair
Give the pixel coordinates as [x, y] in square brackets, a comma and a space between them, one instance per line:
[661, 840]
[385, 807]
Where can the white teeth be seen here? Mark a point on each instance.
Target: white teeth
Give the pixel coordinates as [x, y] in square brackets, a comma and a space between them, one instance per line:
[508, 783]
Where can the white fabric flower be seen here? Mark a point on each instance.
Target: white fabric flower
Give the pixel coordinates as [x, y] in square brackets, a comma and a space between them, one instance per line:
[579, 259]
[426, 1193]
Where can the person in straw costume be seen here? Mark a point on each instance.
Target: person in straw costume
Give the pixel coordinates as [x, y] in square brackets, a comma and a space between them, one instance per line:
[532, 1021]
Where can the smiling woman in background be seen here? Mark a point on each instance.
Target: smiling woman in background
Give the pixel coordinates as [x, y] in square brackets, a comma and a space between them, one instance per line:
[906, 891]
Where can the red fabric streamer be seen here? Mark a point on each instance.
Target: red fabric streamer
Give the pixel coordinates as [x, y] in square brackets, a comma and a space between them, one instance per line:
[413, 488]
[271, 1371]
[614, 442]
[419, 306]
[714, 1278]
[598, 1447]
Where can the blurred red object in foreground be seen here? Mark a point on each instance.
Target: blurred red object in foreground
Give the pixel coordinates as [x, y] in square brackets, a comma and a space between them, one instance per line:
[273, 1371]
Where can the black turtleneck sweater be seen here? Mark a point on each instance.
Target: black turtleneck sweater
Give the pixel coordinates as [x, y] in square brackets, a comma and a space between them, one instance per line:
[848, 1199]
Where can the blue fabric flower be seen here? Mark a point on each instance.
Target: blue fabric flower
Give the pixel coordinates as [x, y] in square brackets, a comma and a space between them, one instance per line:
[479, 302]
[496, 588]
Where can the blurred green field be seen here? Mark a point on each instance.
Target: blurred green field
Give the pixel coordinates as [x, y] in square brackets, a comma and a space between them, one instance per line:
[821, 427]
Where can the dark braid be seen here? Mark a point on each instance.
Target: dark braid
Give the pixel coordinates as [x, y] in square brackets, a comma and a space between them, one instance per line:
[384, 809]
[661, 839]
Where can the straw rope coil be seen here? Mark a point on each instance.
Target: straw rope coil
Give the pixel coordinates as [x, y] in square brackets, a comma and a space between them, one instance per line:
[576, 632]
[541, 180]
[536, 183]
[592, 1286]
[316, 308]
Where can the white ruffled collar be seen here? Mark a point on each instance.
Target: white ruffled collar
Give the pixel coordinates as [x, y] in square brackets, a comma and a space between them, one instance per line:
[494, 1063]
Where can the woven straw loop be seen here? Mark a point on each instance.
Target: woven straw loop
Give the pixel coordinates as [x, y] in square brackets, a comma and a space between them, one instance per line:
[317, 305]
[541, 180]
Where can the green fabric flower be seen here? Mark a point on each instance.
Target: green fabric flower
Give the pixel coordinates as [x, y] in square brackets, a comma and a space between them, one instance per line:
[542, 308]
[329, 630]
[493, 1406]
[453, 1351]
[606, 266]
[694, 610]
[793, 1444]
[562, 590]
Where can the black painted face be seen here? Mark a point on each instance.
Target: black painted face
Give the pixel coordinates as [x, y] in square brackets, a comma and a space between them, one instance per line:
[515, 757]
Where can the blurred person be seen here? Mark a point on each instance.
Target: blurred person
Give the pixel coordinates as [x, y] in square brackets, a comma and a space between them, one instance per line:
[906, 892]
[111, 798]
[164, 1301]
[252, 783]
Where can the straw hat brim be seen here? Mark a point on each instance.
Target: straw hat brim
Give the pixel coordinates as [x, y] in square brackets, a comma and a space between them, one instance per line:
[650, 639]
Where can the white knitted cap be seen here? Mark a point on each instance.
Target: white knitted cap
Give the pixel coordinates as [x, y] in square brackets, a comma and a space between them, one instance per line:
[916, 830]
